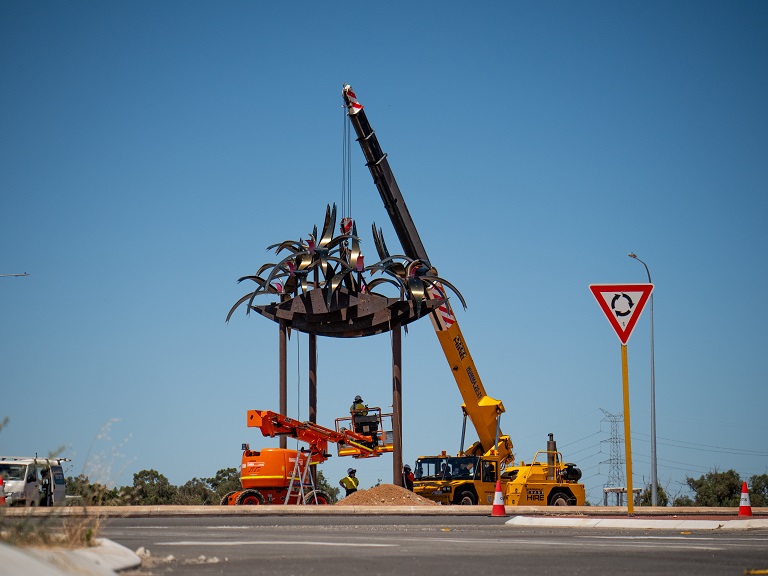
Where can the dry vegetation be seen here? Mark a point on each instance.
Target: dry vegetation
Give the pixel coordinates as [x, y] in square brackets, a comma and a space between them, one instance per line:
[49, 530]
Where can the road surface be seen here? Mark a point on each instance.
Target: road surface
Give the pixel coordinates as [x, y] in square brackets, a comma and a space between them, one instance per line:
[398, 545]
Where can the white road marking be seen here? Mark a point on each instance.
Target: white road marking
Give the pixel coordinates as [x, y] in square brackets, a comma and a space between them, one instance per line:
[268, 542]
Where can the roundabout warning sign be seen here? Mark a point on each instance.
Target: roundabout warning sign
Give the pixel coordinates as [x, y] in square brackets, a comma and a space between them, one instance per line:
[622, 305]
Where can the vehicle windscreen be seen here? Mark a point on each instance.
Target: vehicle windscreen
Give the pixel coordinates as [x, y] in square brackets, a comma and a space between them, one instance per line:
[447, 468]
[12, 471]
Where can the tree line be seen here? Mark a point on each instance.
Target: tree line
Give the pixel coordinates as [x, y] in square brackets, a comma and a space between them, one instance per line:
[713, 489]
[151, 488]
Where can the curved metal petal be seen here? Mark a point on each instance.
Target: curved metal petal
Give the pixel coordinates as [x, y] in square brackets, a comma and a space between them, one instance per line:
[373, 283]
[264, 267]
[333, 286]
[354, 255]
[258, 279]
[291, 245]
[414, 267]
[329, 226]
[232, 310]
[339, 240]
[279, 267]
[417, 292]
[433, 280]
[378, 240]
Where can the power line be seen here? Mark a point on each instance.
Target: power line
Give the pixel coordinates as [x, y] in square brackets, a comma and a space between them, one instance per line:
[707, 447]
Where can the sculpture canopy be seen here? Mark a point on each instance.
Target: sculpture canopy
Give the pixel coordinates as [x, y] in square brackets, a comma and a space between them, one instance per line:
[349, 315]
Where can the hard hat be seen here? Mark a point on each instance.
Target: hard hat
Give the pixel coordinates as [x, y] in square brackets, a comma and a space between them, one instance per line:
[407, 467]
[358, 399]
[351, 470]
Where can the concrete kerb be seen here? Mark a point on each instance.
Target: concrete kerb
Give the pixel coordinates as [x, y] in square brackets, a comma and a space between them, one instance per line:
[547, 512]
[104, 559]
[594, 512]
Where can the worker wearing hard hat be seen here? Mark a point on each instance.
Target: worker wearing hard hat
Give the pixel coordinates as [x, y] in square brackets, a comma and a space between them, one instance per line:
[358, 407]
[349, 482]
[407, 477]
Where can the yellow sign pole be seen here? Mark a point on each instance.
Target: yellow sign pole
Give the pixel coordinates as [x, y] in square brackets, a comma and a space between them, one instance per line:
[627, 437]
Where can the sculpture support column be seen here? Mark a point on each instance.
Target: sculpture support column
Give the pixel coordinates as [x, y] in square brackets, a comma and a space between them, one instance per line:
[283, 376]
[397, 407]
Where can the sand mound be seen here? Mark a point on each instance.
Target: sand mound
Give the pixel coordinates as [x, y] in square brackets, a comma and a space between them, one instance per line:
[385, 495]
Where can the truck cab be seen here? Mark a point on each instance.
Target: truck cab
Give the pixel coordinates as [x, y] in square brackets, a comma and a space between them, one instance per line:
[31, 481]
[470, 480]
[447, 479]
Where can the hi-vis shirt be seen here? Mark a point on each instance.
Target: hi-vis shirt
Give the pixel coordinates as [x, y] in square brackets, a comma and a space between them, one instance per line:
[359, 408]
[350, 482]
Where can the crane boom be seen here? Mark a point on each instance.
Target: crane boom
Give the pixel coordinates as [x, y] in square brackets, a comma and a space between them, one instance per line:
[483, 410]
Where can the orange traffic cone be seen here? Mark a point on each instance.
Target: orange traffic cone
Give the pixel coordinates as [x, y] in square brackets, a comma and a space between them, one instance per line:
[2, 492]
[498, 502]
[745, 508]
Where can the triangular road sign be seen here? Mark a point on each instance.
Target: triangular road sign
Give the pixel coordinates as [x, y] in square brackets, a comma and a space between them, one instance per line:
[622, 304]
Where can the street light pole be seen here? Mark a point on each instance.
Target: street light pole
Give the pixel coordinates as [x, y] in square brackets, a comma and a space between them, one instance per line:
[654, 478]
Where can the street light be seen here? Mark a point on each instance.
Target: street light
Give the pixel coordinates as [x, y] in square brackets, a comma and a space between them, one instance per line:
[654, 478]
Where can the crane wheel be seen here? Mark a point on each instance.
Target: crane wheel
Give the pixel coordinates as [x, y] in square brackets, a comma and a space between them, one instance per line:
[559, 499]
[227, 496]
[250, 498]
[466, 498]
[317, 497]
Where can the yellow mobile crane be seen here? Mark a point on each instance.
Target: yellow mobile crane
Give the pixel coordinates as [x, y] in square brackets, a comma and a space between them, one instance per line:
[469, 477]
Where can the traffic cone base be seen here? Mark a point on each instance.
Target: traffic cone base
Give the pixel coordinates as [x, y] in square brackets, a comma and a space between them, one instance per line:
[498, 501]
[745, 507]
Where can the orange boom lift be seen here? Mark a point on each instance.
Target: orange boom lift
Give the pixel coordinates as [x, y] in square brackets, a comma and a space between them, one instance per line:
[282, 476]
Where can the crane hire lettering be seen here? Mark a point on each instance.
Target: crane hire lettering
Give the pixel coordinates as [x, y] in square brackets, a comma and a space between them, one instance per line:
[459, 347]
[535, 495]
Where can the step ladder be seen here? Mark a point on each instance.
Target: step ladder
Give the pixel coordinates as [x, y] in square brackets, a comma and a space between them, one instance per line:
[299, 478]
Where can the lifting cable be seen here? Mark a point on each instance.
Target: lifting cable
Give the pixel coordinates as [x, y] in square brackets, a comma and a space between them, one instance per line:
[346, 166]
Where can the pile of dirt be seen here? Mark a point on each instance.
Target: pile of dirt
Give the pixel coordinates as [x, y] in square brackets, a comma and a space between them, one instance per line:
[385, 495]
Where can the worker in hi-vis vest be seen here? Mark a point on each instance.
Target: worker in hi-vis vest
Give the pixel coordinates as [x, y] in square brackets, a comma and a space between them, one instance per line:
[349, 482]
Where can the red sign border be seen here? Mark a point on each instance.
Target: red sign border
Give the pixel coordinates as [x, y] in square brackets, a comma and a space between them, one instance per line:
[622, 333]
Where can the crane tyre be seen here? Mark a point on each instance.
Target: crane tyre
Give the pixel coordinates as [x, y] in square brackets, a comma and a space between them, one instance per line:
[250, 498]
[559, 499]
[317, 497]
[466, 498]
[225, 499]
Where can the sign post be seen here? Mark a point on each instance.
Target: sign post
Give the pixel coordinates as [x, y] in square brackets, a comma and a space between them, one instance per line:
[622, 305]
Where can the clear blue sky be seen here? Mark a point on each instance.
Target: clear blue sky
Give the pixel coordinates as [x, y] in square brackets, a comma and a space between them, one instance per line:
[150, 152]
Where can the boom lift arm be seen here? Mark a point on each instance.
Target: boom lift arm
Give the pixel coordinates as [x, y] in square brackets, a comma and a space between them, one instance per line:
[318, 437]
[484, 411]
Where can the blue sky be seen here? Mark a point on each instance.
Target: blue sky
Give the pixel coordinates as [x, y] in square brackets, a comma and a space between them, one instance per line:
[150, 152]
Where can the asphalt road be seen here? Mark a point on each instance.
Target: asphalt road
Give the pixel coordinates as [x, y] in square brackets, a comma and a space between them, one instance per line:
[384, 545]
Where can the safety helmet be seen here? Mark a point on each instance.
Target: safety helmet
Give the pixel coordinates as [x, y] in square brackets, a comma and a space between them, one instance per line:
[407, 466]
[358, 399]
[351, 470]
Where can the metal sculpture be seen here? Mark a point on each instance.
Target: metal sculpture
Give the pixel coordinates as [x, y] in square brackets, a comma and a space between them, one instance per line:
[324, 288]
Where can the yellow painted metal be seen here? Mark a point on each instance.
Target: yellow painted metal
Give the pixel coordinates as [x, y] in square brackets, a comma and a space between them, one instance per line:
[481, 408]
[627, 437]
